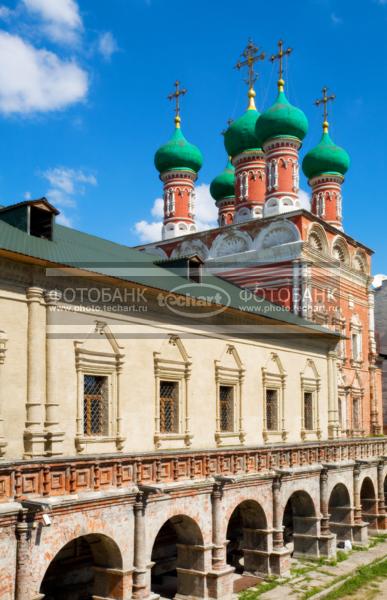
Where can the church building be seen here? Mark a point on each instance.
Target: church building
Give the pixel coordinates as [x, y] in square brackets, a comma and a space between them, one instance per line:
[178, 420]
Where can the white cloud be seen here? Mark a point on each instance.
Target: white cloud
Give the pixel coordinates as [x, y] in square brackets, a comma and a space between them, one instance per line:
[148, 232]
[378, 279]
[65, 186]
[33, 80]
[107, 45]
[62, 219]
[304, 198]
[206, 215]
[5, 12]
[336, 20]
[61, 18]
[158, 208]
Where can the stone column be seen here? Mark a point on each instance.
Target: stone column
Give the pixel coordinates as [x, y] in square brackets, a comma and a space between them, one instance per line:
[360, 528]
[219, 550]
[3, 350]
[278, 536]
[140, 583]
[333, 425]
[23, 585]
[324, 502]
[34, 436]
[52, 420]
[381, 506]
[356, 495]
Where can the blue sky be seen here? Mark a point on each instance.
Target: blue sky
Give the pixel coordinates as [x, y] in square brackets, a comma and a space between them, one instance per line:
[83, 106]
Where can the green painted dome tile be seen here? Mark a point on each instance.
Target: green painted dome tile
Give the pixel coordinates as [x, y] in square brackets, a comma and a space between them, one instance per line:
[178, 153]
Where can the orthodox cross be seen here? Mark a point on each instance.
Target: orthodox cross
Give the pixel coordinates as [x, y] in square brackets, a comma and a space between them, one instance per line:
[324, 100]
[176, 96]
[280, 58]
[250, 55]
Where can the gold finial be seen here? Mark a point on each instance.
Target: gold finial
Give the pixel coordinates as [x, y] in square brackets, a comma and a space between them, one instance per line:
[280, 58]
[324, 100]
[176, 96]
[250, 55]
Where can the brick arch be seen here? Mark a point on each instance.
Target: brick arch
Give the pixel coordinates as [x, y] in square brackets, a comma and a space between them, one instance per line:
[340, 512]
[246, 533]
[178, 559]
[197, 512]
[76, 561]
[187, 529]
[368, 501]
[302, 503]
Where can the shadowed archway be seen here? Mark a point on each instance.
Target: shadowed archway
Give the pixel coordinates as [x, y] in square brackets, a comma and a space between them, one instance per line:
[300, 524]
[177, 550]
[369, 506]
[340, 511]
[80, 570]
[247, 539]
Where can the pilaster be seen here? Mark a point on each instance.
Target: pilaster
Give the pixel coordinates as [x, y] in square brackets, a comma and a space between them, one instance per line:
[34, 435]
[3, 350]
[54, 435]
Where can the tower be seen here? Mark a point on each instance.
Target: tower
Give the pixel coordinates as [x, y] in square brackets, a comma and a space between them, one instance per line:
[246, 154]
[325, 167]
[280, 131]
[178, 163]
[222, 189]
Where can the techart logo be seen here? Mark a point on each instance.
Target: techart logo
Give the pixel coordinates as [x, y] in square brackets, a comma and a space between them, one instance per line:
[185, 301]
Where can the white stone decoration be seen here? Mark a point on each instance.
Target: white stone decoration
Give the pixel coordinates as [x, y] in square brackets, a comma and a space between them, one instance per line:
[190, 248]
[273, 175]
[296, 176]
[170, 202]
[244, 185]
[191, 203]
[155, 251]
[276, 234]
[243, 214]
[278, 206]
[232, 242]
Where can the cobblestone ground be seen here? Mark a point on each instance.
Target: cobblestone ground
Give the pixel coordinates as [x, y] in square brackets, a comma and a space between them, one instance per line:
[307, 577]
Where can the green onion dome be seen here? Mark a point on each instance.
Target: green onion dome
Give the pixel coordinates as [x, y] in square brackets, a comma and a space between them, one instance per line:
[326, 157]
[281, 120]
[223, 186]
[178, 153]
[240, 136]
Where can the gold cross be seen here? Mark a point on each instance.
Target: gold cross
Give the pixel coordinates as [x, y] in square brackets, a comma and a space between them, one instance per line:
[324, 100]
[251, 56]
[176, 96]
[280, 58]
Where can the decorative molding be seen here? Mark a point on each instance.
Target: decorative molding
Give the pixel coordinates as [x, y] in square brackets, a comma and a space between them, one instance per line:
[274, 377]
[108, 364]
[233, 376]
[179, 371]
[3, 351]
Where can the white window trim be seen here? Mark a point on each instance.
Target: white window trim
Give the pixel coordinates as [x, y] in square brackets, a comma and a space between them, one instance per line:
[356, 358]
[233, 377]
[277, 381]
[313, 386]
[103, 364]
[179, 371]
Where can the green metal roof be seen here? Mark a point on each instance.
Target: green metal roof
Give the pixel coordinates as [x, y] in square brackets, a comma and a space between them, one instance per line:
[72, 248]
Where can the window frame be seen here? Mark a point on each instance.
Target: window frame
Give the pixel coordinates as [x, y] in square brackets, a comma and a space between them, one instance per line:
[230, 376]
[274, 380]
[100, 364]
[277, 391]
[179, 371]
[310, 384]
[107, 385]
